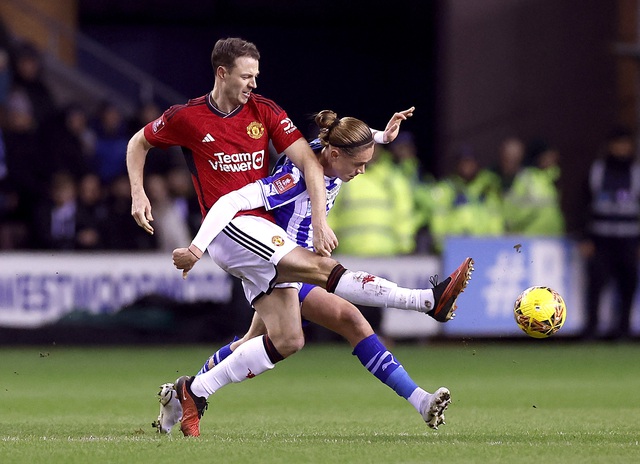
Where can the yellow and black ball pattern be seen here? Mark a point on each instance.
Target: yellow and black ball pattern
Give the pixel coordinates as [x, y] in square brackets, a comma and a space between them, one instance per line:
[540, 311]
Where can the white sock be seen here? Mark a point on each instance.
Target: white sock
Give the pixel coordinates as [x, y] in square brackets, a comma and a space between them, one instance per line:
[247, 361]
[362, 288]
[416, 398]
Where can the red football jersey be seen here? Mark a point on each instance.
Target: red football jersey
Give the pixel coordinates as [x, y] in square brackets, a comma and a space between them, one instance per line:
[224, 152]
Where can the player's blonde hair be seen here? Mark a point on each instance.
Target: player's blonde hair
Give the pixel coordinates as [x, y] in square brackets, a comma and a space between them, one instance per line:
[348, 134]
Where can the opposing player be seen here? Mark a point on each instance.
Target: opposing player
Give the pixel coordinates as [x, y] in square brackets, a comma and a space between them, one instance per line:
[284, 192]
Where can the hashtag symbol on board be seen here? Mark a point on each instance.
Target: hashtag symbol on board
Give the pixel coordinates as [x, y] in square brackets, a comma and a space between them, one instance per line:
[506, 277]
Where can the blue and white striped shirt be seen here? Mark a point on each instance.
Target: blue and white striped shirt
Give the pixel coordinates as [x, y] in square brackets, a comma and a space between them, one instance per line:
[285, 192]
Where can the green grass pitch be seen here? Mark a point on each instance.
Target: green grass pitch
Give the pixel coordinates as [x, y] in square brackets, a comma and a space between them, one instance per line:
[531, 402]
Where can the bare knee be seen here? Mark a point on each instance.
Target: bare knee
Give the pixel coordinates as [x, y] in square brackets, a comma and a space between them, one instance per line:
[305, 266]
[288, 344]
[354, 326]
[347, 321]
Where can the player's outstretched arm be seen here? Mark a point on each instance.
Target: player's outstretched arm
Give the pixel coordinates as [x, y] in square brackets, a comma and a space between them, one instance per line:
[393, 126]
[137, 149]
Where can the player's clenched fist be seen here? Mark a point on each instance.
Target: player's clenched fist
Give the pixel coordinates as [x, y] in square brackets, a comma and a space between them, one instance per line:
[185, 258]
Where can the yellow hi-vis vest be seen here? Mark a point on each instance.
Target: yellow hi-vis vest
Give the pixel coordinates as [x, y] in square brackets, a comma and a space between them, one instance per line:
[465, 208]
[374, 213]
[532, 205]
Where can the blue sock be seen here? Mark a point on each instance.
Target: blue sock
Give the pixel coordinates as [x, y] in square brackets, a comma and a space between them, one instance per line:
[218, 356]
[380, 362]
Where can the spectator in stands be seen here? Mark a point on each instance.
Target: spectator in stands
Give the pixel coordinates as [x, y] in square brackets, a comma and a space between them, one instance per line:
[405, 155]
[146, 112]
[374, 214]
[159, 161]
[28, 78]
[510, 162]
[5, 67]
[170, 225]
[72, 142]
[92, 214]
[54, 224]
[120, 232]
[12, 229]
[611, 235]
[466, 202]
[531, 205]
[111, 143]
[5, 79]
[184, 196]
[28, 163]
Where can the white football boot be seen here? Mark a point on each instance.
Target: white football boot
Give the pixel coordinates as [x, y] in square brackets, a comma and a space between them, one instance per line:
[433, 407]
[170, 409]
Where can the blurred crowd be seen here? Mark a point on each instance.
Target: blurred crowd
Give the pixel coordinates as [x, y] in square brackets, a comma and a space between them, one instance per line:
[64, 186]
[63, 182]
[63, 178]
[393, 210]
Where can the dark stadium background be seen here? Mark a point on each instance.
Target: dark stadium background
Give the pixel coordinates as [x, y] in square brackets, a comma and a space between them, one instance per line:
[365, 59]
[476, 71]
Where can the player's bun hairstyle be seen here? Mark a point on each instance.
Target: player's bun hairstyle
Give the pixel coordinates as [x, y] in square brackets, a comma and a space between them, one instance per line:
[345, 133]
[225, 52]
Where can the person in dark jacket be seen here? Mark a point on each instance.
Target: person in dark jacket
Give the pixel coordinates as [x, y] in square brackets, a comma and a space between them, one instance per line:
[611, 236]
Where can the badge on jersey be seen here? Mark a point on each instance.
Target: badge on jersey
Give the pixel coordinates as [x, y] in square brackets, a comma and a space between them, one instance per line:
[277, 240]
[255, 130]
[284, 183]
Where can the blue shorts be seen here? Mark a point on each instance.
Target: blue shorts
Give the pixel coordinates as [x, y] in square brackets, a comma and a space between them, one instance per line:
[302, 294]
[304, 291]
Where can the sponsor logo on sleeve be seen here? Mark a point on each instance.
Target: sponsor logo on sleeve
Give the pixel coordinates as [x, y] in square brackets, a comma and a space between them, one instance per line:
[157, 125]
[289, 127]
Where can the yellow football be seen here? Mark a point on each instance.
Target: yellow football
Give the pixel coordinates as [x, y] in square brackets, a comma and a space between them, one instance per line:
[540, 311]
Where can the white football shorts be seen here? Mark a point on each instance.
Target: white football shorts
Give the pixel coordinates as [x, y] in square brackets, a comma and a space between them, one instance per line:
[250, 248]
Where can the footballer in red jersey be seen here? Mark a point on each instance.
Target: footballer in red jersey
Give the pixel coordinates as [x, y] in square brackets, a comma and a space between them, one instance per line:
[224, 151]
[225, 136]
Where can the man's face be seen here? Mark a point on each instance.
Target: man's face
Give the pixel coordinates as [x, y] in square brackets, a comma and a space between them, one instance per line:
[468, 168]
[240, 80]
[622, 147]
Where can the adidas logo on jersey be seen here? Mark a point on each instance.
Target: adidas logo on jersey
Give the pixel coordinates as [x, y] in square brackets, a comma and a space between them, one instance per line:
[208, 138]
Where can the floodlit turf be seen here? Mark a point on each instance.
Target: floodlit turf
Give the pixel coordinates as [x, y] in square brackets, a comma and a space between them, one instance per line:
[540, 401]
